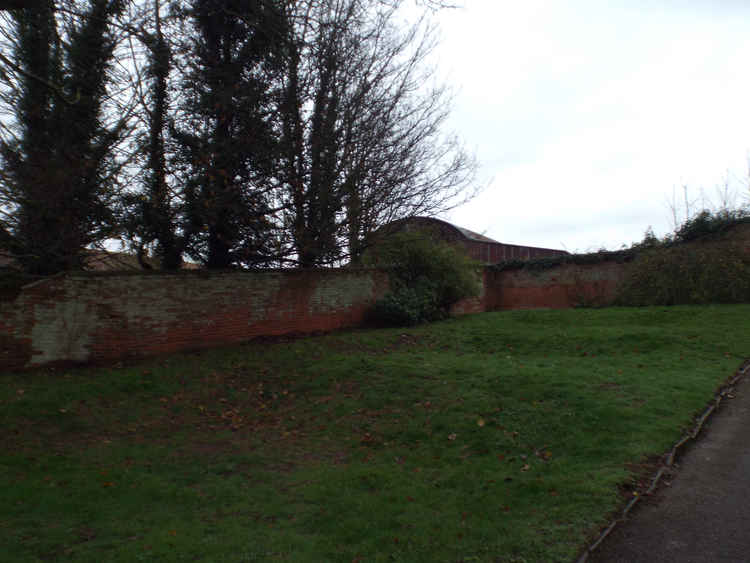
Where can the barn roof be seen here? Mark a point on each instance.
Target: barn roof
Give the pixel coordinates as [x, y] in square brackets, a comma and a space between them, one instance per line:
[466, 233]
[475, 236]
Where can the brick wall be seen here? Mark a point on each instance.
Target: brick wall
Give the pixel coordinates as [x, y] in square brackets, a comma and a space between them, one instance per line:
[564, 286]
[105, 317]
[85, 317]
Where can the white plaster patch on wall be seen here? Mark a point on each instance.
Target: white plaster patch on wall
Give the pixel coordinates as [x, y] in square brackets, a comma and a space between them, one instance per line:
[62, 332]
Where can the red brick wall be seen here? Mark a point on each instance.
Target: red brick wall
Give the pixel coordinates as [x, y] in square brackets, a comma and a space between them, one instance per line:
[106, 317]
[100, 317]
[564, 286]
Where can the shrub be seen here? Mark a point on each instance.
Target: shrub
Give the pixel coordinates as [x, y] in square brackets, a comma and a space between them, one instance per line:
[707, 223]
[406, 306]
[712, 272]
[427, 277]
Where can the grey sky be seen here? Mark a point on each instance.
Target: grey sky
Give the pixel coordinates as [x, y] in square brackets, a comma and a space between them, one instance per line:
[586, 114]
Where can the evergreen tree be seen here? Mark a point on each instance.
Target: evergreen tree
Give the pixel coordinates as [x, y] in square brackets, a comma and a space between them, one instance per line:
[227, 134]
[36, 53]
[55, 169]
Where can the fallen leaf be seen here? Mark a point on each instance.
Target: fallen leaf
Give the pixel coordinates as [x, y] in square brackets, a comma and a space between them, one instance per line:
[480, 422]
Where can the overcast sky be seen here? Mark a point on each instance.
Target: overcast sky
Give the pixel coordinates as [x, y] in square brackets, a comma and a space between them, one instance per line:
[586, 115]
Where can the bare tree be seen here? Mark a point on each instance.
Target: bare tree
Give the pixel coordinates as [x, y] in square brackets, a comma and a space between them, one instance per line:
[152, 216]
[681, 211]
[361, 128]
[727, 200]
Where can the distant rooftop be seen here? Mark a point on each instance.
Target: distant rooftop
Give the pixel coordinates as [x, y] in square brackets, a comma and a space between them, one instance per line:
[474, 236]
[479, 247]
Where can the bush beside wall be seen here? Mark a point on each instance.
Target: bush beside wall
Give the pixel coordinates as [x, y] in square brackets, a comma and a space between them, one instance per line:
[699, 273]
[427, 277]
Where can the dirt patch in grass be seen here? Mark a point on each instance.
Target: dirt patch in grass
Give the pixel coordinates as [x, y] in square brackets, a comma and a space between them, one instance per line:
[641, 475]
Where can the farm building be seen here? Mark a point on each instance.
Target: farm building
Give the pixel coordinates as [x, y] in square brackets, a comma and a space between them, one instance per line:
[479, 247]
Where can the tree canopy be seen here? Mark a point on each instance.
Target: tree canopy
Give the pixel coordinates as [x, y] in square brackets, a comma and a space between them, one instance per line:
[232, 132]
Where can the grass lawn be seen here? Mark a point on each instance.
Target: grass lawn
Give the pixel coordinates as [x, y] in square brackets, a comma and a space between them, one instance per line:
[508, 436]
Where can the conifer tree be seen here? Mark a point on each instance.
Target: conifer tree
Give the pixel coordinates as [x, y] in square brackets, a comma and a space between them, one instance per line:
[226, 130]
[54, 183]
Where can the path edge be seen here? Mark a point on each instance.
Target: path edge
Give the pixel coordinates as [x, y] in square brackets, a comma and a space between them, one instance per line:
[669, 457]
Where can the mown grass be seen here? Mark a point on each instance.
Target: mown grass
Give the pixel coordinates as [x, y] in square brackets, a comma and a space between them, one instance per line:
[503, 437]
